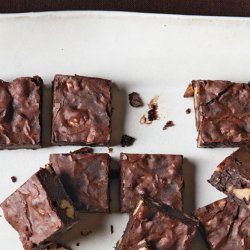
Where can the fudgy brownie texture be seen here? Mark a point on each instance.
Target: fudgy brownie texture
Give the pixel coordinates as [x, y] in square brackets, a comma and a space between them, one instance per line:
[222, 113]
[20, 113]
[81, 110]
[232, 176]
[157, 226]
[40, 210]
[85, 177]
[225, 225]
[158, 176]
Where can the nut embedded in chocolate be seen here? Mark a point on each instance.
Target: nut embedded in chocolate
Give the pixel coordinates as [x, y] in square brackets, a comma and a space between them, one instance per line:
[127, 140]
[135, 100]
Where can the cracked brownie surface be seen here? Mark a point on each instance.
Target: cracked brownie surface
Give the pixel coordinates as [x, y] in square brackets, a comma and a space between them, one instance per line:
[232, 176]
[222, 113]
[81, 110]
[225, 225]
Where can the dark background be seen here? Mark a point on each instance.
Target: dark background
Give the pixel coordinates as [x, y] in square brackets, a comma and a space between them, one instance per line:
[192, 7]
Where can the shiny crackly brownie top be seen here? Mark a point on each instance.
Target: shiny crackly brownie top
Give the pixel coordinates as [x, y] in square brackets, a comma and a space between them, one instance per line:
[81, 110]
[225, 225]
[86, 179]
[157, 226]
[222, 113]
[20, 113]
[156, 175]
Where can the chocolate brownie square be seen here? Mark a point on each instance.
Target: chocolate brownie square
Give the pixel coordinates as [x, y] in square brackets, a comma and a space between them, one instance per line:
[225, 225]
[81, 110]
[21, 113]
[158, 176]
[158, 226]
[40, 210]
[222, 113]
[232, 176]
[85, 177]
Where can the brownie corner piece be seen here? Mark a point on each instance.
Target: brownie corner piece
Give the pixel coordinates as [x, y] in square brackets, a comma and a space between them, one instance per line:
[21, 113]
[40, 210]
[224, 225]
[81, 111]
[222, 113]
[232, 176]
[85, 177]
[158, 176]
[154, 225]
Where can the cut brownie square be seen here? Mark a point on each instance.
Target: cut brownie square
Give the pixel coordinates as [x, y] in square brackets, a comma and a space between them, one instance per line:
[81, 110]
[225, 225]
[232, 176]
[158, 176]
[222, 113]
[40, 210]
[85, 177]
[154, 225]
[21, 113]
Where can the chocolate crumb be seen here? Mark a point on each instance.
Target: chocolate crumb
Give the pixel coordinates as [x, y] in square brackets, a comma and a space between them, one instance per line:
[127, 141]
[77, 244]
[135, 100]
[189, 91]
[168, 124]
[13, 179]
[111, 229]
[110, 150]
[84, 150]
[86, 233]
[188, 111]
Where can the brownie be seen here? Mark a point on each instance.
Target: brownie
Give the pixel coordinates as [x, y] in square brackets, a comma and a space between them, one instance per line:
[232, 176]
[157, 226]
[158, 176]
[21, 113]
[85, 178]
[81, 110]
[40, 210]
[222, 111]
[225, 225]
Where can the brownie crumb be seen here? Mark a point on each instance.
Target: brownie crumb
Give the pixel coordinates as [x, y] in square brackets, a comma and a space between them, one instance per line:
[168, 124]
[153, 109]
[110, 150]
[13, 179]
[152, 113]
[86, 233]
[188, 111]
[77, 244]
[84, 150]
[135, 100]
[127, 141]
[189, 91]
[111, 229]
